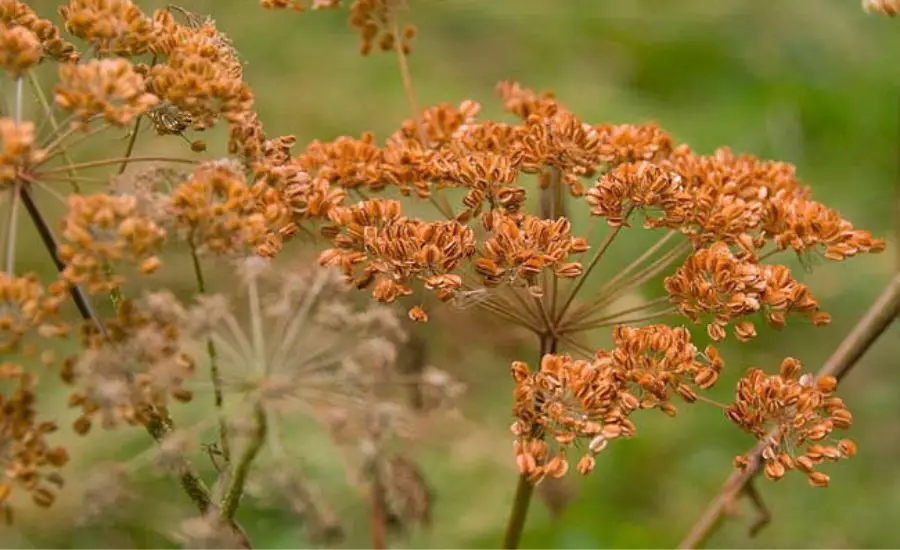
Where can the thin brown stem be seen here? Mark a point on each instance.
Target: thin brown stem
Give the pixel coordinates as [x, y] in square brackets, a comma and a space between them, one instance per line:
[595, 259]
[505, 314]
[587, 322]
[377, 514]
[60, 150]
[870, 327]
[407, 80]
[608, 295]
[111, 161]
[532, 314]
[625, 272]
[132, 139]
[626, 321]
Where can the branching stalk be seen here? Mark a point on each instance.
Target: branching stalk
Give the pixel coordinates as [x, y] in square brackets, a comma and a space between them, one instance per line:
[609, 293]
[595, 259]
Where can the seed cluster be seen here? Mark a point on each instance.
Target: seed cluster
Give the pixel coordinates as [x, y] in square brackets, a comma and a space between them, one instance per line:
[18, 150]
[101, 230]
[215, 210]
[21, 30]
[590, 401]
[790, 412]
[107, 88]
[715, 281]
[139, 362]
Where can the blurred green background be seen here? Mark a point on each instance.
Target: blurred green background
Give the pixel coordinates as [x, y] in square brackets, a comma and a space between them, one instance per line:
[813, 82]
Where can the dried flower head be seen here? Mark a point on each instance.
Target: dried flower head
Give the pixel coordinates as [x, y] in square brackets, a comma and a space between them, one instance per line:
[715, 281]
[102, 230]
[116, 27]
[107, 88]
[16, 14]
[577, 401]
[201, 75]
[28, 460]
[788, 412]
[139, 361]
[27, 309]
[20, 49]
[375, 245]
[519, 250]
[18, 150]
[215, 210]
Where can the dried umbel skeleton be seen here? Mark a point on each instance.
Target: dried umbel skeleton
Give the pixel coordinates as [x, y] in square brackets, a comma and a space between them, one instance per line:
[722, 220]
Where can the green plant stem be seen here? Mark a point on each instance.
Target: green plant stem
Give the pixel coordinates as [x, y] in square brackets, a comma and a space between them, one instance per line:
[870, 327]
[242, 467]
[213, 363]
[521, 503]
[524, 487]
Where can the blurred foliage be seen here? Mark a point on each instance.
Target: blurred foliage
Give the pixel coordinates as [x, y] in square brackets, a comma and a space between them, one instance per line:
[814, 82]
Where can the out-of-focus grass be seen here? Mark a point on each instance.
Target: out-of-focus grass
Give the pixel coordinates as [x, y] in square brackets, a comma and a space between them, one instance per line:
[813, 82]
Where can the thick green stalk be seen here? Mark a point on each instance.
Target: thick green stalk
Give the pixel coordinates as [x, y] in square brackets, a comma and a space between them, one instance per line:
[242, 467]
